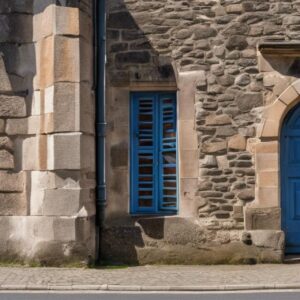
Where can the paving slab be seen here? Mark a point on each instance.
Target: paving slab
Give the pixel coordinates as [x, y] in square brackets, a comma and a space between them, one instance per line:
[153, 278]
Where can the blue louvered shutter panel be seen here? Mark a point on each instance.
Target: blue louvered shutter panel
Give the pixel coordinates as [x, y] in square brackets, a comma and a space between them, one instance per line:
[153, 153]
[143, 144]
[168, 152]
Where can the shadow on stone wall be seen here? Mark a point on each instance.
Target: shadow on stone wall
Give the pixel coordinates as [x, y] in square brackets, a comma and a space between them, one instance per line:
[17, 71]
[131, 56]
[40, 6]
[131, 60]
[288, 66]
[126, 244]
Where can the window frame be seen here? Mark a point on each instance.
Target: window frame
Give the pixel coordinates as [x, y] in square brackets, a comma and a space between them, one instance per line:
[157, 203]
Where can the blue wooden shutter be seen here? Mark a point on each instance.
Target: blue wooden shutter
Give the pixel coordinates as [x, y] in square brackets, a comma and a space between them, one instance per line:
[168, 153]
[144, 156]
[153, 153]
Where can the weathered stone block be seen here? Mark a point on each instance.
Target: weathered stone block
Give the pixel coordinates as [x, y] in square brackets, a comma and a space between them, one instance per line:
[225, 131]
[87, 109]
[189, 204]
[23, 126]
[61, 202]
[246, 195]
[291, 20]
[43, 23]
[20, 63]
[183, 34]
[238, 213]
[12, 106]
[6, 143]
[13, 204]
[86, 62]
[16, 6]
[247, 101]
[237, 143]
[36, 103]
[47, 240]
[267, 147]
[61, 20]
[30, 154]
[225, 80]
[5, 85]
[67, 65]
[121, 20]
[263, 218]
[234, 8]
[67, 21]
[16, 28]
[6, 160]
[189, 169]
[268, 239]
[11, 182]
[134, 57]
[268, 178]
[238, 42]
[267, 196]
[45, 60]
[43, 181]
[264, 63]
[273, 112]
[65, 60]
[64, 229]
[203, 32]
[235, 29]
[63, 101]
[87, 153]
[223, 162]
[188, 134]
[119, 155]
[243, 79]
[289, 95]
[267, 161]
[187, 82]
[214, 147]
[64, 151]
[2, 126]
[218, 120]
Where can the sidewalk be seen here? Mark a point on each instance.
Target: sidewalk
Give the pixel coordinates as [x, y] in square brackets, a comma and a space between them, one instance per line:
[153, 278]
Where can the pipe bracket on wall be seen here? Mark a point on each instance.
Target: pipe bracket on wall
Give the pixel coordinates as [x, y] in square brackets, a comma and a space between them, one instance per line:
[101, 129]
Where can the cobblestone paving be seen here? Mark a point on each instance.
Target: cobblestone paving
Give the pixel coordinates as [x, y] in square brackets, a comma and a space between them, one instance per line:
[154, 276]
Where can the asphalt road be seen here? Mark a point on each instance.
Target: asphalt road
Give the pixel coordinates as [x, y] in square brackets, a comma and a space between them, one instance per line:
[253, 295]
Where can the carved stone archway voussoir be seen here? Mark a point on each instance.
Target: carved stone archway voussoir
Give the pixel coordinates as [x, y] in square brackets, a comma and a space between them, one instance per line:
[265, 212]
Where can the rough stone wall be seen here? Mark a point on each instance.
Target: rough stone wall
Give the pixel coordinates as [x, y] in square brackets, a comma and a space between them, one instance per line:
[47, 175]
[218, 40]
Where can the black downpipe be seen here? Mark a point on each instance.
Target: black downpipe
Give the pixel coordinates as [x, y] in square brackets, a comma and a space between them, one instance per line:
[100, 60]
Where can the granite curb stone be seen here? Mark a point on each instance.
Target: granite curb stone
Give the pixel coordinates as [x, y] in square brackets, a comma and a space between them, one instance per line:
[141, 288]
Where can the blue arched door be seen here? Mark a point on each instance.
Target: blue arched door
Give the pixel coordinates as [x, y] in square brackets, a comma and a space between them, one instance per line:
[290, 180]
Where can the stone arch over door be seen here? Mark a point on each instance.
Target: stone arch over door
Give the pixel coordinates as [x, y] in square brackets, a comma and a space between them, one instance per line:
[265, 212]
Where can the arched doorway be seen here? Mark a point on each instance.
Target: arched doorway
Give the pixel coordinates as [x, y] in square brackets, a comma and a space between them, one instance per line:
[290, 180]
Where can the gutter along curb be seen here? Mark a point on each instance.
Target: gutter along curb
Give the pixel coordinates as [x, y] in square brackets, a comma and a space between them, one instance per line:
[144, 288]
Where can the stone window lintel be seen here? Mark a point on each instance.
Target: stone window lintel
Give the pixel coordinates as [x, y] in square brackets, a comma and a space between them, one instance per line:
[280, 48]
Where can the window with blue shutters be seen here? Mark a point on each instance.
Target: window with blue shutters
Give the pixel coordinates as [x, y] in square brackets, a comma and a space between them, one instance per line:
[153, 153]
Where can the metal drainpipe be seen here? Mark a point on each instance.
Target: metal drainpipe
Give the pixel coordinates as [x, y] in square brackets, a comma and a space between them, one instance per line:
[100, 60]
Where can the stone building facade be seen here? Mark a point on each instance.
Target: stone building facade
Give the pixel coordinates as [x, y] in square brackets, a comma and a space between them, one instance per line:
[47, 163]
[233, 65]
